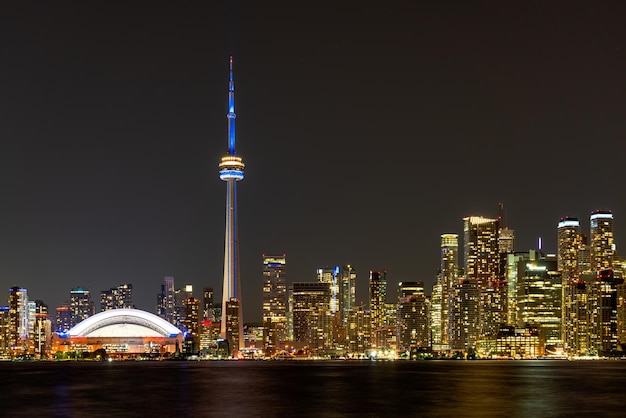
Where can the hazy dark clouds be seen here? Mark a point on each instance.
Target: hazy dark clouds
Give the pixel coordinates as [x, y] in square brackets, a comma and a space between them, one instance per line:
[367, 131]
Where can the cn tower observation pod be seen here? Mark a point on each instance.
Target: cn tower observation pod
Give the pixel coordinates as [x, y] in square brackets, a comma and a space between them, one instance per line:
[124, 332]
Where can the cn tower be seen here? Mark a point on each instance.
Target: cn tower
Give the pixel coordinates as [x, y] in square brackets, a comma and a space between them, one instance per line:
[231, 171]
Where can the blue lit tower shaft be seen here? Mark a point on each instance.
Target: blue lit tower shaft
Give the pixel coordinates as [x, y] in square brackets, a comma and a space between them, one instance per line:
[231, 171]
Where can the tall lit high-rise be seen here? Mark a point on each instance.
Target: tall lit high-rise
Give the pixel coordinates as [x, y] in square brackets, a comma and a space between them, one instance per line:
[312, 323]
[448, 278]
[482, 265]
[5, 347]
[568, 236]
[165, 300]
[207, 304]
[601, 240]
[347, 291]
[120, 297]
[231, 171]
[18, 320]
[378, 302]
[81, 305]
[274, 303]
[412, 316]
[539, 298]
[329, 275]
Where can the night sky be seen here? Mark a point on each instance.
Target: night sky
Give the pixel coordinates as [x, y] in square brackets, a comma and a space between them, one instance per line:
[367, 131]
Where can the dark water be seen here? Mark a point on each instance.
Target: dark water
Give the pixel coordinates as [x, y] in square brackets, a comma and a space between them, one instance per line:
[314, 389]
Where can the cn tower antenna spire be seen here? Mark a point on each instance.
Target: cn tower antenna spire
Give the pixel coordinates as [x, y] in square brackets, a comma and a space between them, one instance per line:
[231, 111]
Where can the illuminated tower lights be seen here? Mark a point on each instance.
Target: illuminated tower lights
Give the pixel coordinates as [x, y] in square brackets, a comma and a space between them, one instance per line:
[601, 239]
[449, 273]
[568, 235]
[231, 171]
[274, 302]
[482, 265]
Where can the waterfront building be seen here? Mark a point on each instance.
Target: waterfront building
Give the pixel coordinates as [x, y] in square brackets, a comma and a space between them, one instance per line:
[120, 297]
[447, 278]
[519, 343]
[378, 301]
[63, 318]
[412, 317]
[122, 333]
[568, 243]
[482, 266]
[274, 303]
[621, 313]
[330, 275]
[231, 171]
[603, 308]
[539, 298]
[312, 318]
[465, 331]
[192, 325]
[435, 312]
[32, 315]
[387, 336]
[514, 265]
[359, 331]
[576, 319]
[347, 292]
[81, 305]
[5, 346]
[42, 330]
[601, 240]
[18, 321]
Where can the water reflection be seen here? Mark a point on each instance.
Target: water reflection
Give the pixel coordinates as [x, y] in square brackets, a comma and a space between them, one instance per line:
[315, 389]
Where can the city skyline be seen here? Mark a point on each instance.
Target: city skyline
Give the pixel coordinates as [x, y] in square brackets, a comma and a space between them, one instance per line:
[446, 272]
[368, 133]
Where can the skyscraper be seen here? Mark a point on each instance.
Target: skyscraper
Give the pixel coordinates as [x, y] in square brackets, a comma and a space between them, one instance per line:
[274, 303]
[412, 323]
[378, 301]
[207, 304]
[568, 236]
[412, 316]
[539, 298]
[329, 275]
[601, 240]
[18, 320]
[448, 278]
[165, 300]
[482, 265]
[347, 291]
[312, 323]
[192, 322]
[120, 297]
[576, 319]
[81, 305]
[603, 311]
[231, 171]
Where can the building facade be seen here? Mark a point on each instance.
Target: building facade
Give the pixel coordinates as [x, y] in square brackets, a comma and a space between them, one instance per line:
[274, 303]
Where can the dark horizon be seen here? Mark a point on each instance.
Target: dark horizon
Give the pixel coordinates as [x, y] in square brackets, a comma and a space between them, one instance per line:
[367, 132]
